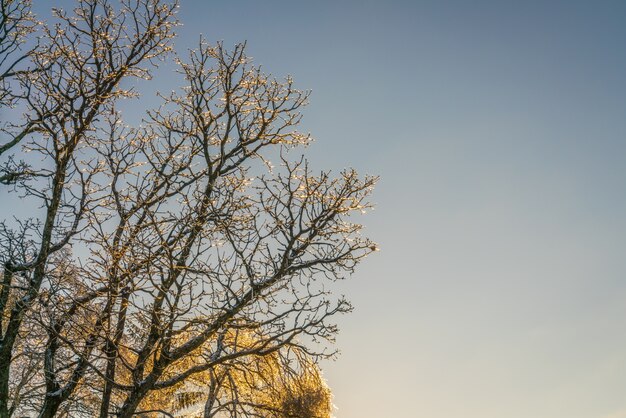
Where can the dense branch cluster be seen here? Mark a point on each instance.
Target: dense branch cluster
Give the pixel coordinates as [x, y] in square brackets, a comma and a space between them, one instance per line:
[168, 268]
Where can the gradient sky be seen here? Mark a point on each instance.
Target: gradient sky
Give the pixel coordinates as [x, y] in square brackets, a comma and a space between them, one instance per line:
[499, 132]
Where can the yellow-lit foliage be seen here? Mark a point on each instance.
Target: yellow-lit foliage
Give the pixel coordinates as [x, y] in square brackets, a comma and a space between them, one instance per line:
[280, 382]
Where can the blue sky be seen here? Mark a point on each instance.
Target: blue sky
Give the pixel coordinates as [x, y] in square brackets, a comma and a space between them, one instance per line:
[499, 132]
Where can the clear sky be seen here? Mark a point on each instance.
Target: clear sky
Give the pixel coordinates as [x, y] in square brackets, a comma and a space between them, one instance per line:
[499, 131]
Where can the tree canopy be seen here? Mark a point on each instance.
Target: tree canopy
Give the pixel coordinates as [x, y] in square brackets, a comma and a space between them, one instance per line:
[186, 259]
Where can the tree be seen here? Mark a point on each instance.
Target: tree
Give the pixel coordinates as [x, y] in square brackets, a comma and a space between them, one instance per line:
[284, 383]
[155, 244]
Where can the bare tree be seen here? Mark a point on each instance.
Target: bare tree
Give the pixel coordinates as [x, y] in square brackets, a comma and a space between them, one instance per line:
[68, 81]
[154, 243]
[16, 24]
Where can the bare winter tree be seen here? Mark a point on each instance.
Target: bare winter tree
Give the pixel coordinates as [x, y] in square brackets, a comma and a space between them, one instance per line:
[142, 251]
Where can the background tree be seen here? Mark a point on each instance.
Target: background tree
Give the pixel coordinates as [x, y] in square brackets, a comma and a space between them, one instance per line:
[284, 383]
[154, 245]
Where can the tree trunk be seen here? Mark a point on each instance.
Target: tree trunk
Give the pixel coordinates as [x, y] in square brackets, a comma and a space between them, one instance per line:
[4, 388]
[132, 402]
[50, 406]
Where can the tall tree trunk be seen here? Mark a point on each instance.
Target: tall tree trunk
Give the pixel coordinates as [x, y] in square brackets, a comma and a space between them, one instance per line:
[132, 402]
[4, 388]
[213, 390]
[112, 354]
[50, 406]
